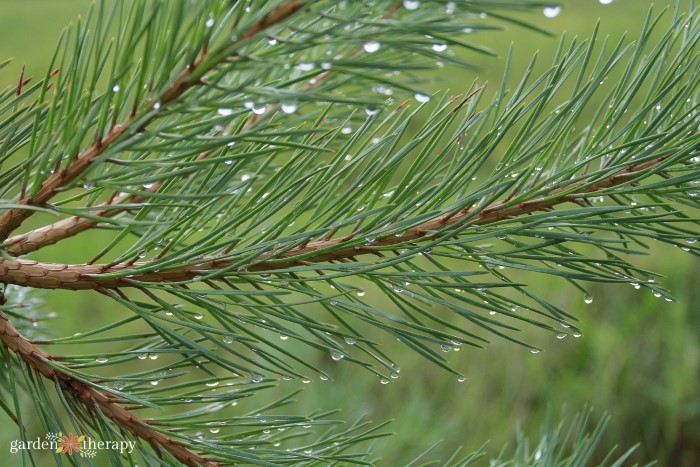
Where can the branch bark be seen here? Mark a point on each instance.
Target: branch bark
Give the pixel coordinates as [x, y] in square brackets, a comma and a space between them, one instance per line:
[87, 276]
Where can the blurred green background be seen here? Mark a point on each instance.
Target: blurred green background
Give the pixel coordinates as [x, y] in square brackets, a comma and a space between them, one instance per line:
[639, 358]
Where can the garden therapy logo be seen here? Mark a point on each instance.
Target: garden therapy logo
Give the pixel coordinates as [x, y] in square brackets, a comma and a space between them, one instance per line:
[71, 444]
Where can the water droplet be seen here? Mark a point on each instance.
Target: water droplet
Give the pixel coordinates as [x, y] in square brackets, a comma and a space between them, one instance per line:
[535, 350]
[306, 66]
[143, 356]
[411, 4]
[224, 111]
[119, 385]
[635, 285]
[306, 381]
[257, 378]
[561, 336]
[153, 356]
[156, 106]
[371, 111]
[198, 316]
[605, 2]
[384, 381]
[155, 383]
[273, 41]
[551, 11]
[439, 47]
[102, 360]
[228, 339]
[371, 47]
[258, 110]
[361, 293]
[350, 340]
[284, 338]
[210, 22]
[289, 107]
[461, 378]
[577, 334]
[335, 355]
[588, 299]
[116, 88]
[214, 430]
[346, 130]
[422, 98]
[445, 347]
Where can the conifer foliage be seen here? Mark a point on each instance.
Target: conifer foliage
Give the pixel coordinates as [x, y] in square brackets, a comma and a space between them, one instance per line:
[271, 171]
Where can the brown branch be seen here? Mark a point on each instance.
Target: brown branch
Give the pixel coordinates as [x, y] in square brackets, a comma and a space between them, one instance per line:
[48, 235]
[11, 219]
[52, 233]
[38, 238]
[88, 276]
[94, 400]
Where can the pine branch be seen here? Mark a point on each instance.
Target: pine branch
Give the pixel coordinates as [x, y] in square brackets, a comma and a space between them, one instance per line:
[36, 239]
[95, 400]
[79, 277]
[239, 209]
[189, 77]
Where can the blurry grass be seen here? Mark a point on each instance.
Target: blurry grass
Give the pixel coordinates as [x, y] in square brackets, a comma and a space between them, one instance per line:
[639, 358]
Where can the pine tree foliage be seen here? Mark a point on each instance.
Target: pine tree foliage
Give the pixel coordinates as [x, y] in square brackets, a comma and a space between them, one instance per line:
[562, 444]
[267, 169]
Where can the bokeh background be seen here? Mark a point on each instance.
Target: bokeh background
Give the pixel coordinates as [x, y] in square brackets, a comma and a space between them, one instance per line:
[638, 360]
